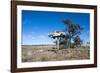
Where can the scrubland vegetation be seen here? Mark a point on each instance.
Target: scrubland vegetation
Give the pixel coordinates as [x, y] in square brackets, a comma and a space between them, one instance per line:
[52, 54]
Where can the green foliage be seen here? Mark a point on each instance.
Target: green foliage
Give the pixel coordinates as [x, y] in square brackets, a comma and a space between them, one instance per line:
[77, 41]
[72, 32]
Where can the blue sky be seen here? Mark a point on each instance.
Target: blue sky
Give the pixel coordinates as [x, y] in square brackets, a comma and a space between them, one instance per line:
[36, 25]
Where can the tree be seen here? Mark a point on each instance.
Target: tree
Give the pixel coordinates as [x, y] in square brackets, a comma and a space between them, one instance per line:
[77, 41]
[72, 29]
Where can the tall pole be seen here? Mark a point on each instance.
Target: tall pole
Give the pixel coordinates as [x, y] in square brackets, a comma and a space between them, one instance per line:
[57, 42]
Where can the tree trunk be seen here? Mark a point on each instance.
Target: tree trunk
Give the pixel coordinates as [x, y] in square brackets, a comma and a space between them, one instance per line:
[70, 41]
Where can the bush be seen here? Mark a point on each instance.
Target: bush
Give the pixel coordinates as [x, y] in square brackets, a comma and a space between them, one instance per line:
[44, 59]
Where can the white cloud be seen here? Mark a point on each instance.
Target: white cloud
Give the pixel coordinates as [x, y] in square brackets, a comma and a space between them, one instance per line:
[42, 36]
[33, 38]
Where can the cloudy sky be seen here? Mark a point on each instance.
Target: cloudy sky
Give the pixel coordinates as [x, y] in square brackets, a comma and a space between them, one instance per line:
[36, 25]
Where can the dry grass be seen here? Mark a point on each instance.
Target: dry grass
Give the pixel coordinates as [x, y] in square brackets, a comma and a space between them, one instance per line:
[49, 54]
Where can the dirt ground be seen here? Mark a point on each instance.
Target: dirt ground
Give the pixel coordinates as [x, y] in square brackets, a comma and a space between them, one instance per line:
[50, 54]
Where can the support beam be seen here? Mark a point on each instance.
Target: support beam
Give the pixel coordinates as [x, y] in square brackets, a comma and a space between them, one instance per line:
[57, 42]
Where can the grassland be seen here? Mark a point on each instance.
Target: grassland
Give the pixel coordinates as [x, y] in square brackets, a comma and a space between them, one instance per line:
[32, 54]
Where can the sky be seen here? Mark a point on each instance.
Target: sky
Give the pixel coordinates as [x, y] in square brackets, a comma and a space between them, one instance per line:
[36, 25]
